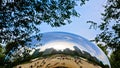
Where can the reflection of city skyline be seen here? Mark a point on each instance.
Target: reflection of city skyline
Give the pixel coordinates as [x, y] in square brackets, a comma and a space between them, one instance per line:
[58, 43]
[68, 51]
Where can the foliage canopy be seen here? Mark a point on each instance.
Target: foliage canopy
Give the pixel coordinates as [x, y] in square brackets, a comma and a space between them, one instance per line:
[20, 18]
[110, 28]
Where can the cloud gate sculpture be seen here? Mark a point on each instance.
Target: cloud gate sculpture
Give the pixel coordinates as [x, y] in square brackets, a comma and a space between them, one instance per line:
[56, 50]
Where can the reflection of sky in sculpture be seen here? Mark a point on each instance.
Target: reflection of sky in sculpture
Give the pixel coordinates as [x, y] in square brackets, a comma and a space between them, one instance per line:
[58, 45]
[62, 41]
[82, 43]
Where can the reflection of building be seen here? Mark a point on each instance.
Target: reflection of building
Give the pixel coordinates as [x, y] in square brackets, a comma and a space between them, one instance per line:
[68, 51]
[49, 51]
[79, 52]
[36, 52]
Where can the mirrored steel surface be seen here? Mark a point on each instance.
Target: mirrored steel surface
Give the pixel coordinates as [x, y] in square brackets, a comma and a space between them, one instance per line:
[56, 50]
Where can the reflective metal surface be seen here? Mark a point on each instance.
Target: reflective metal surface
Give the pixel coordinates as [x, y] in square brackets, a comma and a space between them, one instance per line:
[57, 50]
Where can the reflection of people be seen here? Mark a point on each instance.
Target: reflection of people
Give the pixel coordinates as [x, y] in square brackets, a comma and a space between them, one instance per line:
[57, 61]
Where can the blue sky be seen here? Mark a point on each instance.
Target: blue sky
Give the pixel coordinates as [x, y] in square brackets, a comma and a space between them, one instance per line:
[90, 11]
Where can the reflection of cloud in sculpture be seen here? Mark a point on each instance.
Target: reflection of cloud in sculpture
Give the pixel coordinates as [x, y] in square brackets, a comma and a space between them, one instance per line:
[58, 45]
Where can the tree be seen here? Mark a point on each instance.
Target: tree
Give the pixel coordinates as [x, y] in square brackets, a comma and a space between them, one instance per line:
[10, 46]
[20, 18]
[2, 55]
[104, 48]
[110, 28]
[114, 59]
